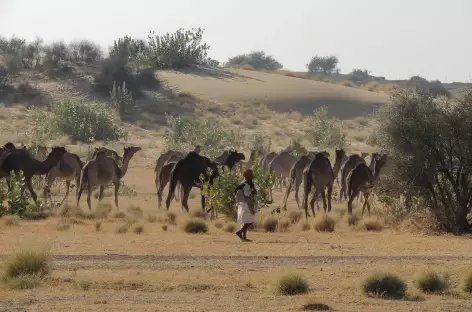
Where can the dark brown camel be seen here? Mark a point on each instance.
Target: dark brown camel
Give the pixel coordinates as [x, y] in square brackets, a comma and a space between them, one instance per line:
[349, 165]
[319, 174]
[20, 160]
[187, 171]
[163, 177]
[362, 179]
[296, 176]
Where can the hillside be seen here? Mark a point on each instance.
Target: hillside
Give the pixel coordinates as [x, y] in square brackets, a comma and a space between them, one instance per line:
[246, 101]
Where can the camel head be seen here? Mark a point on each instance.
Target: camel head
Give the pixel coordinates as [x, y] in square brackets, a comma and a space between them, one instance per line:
[375, 156]
[364, 155]
[197, 149]
[340, 153]
[9, 146]
[56, 153]
[130, 151]
[234, 157]
[325, 154]
[380, 162]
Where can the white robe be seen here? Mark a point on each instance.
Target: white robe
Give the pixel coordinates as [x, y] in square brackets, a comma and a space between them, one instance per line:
[244, 213]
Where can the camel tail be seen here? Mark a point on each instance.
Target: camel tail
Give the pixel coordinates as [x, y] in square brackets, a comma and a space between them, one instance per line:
[83, 178]
[155, 168]
[307, 184]
[349, 185]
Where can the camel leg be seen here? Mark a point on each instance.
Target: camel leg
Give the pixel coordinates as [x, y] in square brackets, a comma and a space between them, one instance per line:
[32, 192]
[117, 188]
[287, 192]
[353, 195]
[330, 192]
[323, 196]
[67, 192]
[100, 195]
[89, 195]
[185, 196]
[313, 199]
[366, 204]
[160, 189]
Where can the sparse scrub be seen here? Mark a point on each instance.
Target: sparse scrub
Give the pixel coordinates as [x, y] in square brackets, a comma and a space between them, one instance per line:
[291, 284]
[25, 269]
[371, 224]
[230, 227]
[294, 216]
[431, 282]
[323, 223]
[283, 225]
[467, 283]
[138, 229]
[269, 224]
[384, 285]
[85, 121]
[195, 225]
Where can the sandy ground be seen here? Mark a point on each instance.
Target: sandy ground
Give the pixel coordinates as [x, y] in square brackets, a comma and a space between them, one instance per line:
[170, 270]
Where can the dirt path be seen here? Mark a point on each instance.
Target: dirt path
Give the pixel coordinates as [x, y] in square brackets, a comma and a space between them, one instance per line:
[272, 259]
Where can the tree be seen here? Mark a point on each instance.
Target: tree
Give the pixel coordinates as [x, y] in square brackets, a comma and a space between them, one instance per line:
[326, 65]
[435, 87]
[257, 59]
[431, 142]
[358, 75]
[325, 130]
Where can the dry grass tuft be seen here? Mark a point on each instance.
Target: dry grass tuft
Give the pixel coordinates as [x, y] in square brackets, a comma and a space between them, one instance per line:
[269, 224]
[151, 218]
[431, 282]
[467, 283]
[291, 284]
[230, 227]
[98, 226]
[119, 215]
[283, 225]
[171, 218]
[371, 224]
[303, 225]
[135, 211]
[123, 228]
[353, 220]
[138, 229]
[84, 285]
[25, 269]
[197, 213]
[195, 225]
[164, 227]
[294, 216]
[63, 225]
[218, 224]
[11, 220]
[384, 285]
[323, 223]
[309, 306]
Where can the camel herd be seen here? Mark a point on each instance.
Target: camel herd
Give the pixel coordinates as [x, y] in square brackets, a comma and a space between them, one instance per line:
[353, 176]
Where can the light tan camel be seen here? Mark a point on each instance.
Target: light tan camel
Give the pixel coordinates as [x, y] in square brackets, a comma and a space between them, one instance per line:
[281, 165]
[350, 164]
[103, 171]
[68, 169]
[319, 174]
[296, 176]
[362, 179]
[108, 153]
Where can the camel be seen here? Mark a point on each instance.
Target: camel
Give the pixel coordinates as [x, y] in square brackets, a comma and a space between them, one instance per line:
[187, 171]
[349, 165]
[108, 153]
[265, 161]
[68, 169]
[362, 179]
[163, 177]
[296, 176]
[163, 158]
[320, 174]
[281, 165]
[103, 171]
[20, 160]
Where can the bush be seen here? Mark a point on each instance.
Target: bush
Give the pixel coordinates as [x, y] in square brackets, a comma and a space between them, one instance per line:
[177, 50]
[85, 122]
[27, 262]
[291, 284]
[323, 223]
[384, 285]
[371, 224]
[326, 65]
[121, 100]
[254, 60]
[195, 225]
[56, 57]
[24, 281]
[114, 71]
[424, 137]
[16, 205]
[431, 282]
[467, 284]
[325, 130]
[84, 51]
[269, 224]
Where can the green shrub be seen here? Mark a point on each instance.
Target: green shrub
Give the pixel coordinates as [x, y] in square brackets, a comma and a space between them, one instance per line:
[431, 282]
[467, 284]
[384, 285]
[292, 284]
[85, 122]
[27, 262]
[84, 51]
[325, 130]
[195, 225]
[16, 205]
[121, 99]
